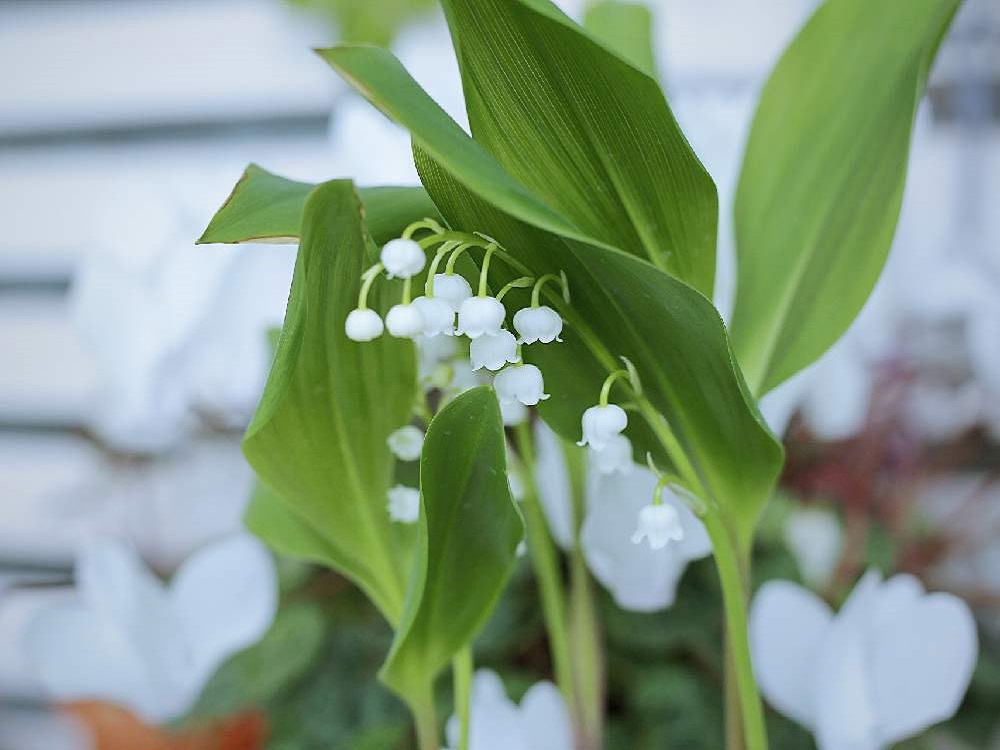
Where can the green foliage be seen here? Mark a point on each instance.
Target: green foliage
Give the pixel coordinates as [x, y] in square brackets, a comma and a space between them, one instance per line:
[466, 541]
[823, 177]
[318, 439]
[625, 27]
[371, 21]
[264, 207]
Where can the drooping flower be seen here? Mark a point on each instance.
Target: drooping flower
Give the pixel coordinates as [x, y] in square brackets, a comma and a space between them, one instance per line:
[520, 383]
[406, 443]
[493, 352]
[601, 423]
[513, 413]
[615, 457]
[894, 661]
[438, 316]
[131, 640]
[540, 722]
[659, 524]
[480, 316]
[403, 258]
[363, 325]
[404, 504]
[815, 538]
[404, 321]
[541, 324]
[453, 288]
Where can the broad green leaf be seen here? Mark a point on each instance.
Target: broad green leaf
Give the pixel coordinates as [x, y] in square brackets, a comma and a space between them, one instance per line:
[466, 541]
[621, 304]
[285, 531]
[264, 207]
[625, 27]
[587, 131]
[318, 438]
[823, 176]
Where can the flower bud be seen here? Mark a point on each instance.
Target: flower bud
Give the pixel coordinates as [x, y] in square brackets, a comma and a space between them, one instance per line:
[406, 443]
[363, 325]
[601, 423]
[479, 316]
[538, 324]
[520, 383]
[452, 288]
[404, 504]
[659, 525]
[438, 315]
[404, 321]
[493, 352]
[402, 258]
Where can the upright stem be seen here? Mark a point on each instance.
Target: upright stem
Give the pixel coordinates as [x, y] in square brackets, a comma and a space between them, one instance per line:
[734, 716]
[734, 595]
[546, 567]
[462, 672]
[425, 718]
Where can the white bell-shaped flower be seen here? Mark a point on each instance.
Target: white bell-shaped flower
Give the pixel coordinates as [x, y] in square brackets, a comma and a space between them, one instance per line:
[659, 524]
[520, 383]
[480, 316]
[404, 321]
[129, 639]
[815, 537]
[363, 325]
[616, 456]
[438, 315]
[513, 413]
[601, 423]
[404, 504]
[452, 288]
[540, 722]
[406, 443]
[894, 661]
[402, 258]
[538, 324]
[493, 352]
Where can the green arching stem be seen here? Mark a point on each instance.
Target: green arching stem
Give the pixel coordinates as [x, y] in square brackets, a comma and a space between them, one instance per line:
[537, 291]
[422, 224]
[407, 289]
[484, 272]
[367, 279]
[546, 567]
[445, 248]
[658, 491]
[608, 382]
[461, 667]
[522, 283]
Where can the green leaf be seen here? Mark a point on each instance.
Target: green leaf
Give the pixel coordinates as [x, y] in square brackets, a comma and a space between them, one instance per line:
[468, 535]
[627, 28]
[823, 176]
[285, 531]
[318, 438]
[264, 207]
[621, 304]
[587, 131]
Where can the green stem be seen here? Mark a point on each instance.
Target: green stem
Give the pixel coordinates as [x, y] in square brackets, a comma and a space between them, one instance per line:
[422, 224]
[485, 271]
[425, 719]
[734, 716]
[546, 567]
[608, 382]
[462, 673]
[367, 279]
[432, 271]
[734, 596]
[407, 290]
[537, 291]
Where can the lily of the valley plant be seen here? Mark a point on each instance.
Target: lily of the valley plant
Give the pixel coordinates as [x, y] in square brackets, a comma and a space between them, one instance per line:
[558, 266]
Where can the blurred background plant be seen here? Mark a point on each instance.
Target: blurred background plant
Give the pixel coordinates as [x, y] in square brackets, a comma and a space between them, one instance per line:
[133, 359]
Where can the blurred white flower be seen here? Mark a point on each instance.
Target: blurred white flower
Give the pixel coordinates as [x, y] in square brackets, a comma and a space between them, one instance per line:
[404, 504]
[891, 663]
[402, 258]
[616, 456]
[493, 352]
[453, 288]
[658, 525]
[129, 639]
[540, 722]
[406, 442]
[815, 537]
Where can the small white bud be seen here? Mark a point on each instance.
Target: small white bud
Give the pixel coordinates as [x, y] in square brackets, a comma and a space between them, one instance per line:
[363, 325]
[601, 423]
[452, 288]
[406, 443]
[438, 316]
[480, 316]
[659, 525]
[520, 383]
[402, 258]
[538, 324]
[615, 457]
[404, 321]
[493, 352]
[404, 504]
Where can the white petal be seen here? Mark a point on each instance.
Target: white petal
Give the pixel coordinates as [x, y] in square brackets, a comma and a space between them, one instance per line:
[815, 538]
[225, 597]
[787, 629]
[545, 719]
[495, 723]
[552, 481]
[844, 710]
[922, 651]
